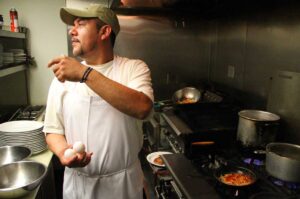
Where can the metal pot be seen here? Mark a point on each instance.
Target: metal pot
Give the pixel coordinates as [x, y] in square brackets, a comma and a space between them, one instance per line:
[257, 128]
[283, 161]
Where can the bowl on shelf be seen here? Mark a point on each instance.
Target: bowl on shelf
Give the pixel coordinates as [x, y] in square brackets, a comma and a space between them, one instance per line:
[17, 179]
[9, 154]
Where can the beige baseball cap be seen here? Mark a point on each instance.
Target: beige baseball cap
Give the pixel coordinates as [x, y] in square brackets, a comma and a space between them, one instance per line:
[68, 15]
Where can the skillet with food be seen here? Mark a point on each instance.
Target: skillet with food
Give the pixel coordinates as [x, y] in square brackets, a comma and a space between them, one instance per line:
[235, 176]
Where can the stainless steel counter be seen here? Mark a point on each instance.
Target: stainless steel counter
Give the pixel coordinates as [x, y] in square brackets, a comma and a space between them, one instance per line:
[44, 158]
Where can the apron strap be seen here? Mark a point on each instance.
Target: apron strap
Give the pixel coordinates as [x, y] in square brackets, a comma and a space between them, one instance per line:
[131, 166]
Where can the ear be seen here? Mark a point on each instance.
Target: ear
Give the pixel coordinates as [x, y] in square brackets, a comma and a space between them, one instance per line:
[105, 32]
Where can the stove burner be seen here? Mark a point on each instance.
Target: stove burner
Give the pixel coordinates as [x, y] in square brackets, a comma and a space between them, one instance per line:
[282, 183]
[254, 161]
[29, 112]
[228, 192]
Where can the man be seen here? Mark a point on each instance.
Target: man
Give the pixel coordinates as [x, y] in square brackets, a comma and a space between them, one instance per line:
[100, 102]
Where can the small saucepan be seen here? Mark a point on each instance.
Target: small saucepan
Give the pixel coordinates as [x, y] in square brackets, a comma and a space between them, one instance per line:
[283, 161]
[236, 177]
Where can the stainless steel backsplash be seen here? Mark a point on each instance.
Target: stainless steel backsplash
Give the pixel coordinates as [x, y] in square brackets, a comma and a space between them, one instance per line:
[239, 53]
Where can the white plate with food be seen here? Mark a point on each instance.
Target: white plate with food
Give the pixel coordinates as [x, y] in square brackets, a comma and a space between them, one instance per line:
[155, 159]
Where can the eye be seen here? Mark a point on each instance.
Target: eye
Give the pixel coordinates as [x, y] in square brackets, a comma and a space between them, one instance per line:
[82, 22]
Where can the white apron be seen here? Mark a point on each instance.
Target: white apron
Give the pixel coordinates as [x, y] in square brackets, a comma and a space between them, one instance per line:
[115, 140]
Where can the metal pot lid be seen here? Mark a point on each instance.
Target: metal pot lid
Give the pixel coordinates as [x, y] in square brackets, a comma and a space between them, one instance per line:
[258, 115]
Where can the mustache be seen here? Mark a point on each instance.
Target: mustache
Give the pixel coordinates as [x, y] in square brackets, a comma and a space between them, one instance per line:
[75, 40]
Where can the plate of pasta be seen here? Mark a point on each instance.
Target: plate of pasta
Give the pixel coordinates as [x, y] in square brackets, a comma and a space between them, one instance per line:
[155, 158]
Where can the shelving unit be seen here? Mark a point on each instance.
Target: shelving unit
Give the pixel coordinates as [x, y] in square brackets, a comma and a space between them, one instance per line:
[13, 73]
[5, 33]
[8, 35]
[12, 70]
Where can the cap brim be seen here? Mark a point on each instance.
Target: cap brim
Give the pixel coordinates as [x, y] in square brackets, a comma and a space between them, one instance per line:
[68, 15]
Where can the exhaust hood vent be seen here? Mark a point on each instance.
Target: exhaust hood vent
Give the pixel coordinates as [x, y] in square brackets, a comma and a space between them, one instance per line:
[147, 3]
[161, 6]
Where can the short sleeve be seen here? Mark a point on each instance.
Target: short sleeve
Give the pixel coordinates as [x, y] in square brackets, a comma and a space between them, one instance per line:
[140, 78]
[53, 118]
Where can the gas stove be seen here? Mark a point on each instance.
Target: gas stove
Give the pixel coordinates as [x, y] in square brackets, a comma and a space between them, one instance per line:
[196, 178]
[193, 166]
[30, 112]
[233, 157]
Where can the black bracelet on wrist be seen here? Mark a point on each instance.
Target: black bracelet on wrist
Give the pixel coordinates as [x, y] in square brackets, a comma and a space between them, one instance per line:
[86, 74]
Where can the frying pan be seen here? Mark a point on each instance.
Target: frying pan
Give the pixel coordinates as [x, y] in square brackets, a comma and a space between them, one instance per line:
[190, 93]
[185, 93]
[232, 169]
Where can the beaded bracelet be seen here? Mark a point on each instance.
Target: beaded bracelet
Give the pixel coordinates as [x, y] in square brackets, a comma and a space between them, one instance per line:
[86, 74]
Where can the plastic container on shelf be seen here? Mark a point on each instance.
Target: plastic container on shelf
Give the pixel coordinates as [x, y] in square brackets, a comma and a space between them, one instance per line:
[1, 55]
[14, 24]
[1, 22]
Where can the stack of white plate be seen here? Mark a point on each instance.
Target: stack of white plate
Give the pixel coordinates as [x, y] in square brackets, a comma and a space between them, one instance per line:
[8, 58]
[1, 56]
[25, 133]
[19, 55]
[1, 60]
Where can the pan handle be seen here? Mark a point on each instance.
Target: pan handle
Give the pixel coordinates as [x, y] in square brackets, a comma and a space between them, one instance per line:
[203, 143]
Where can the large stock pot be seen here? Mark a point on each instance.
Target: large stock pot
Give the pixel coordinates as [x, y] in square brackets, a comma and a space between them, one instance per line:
[257, 128]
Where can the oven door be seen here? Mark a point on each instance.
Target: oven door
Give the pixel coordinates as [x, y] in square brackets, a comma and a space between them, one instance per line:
[152, 134]
[168, 190]
[176, 190]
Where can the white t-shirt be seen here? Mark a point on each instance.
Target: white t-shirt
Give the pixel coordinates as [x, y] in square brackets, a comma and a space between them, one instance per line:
[132, 73]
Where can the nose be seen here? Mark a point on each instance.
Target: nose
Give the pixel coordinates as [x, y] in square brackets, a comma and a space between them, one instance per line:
[72, 30]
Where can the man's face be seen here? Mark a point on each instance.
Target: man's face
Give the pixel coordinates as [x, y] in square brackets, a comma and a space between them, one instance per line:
[84, 35]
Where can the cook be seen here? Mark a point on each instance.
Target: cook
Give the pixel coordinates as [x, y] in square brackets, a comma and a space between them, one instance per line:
[100, 102]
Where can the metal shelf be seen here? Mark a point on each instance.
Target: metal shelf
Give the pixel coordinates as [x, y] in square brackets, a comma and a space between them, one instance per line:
[12, 70]
[5, 33]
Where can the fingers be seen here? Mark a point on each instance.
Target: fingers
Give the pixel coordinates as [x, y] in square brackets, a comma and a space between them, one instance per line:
[56, 60]
[84, 158]
[88, 158]
[67, 68]
[55, 65]
[79, 160]
[69, 161]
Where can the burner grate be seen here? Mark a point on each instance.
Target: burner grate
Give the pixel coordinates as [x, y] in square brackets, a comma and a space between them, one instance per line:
[30, 112]
[254, 161]
[293, 186]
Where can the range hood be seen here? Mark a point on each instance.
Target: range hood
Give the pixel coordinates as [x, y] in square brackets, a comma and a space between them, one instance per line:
[145, 7]
[160, 6]
[147, 3]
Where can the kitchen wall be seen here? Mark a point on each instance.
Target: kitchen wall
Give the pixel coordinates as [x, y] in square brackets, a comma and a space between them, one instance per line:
[256, 44]
[236, 49]
[47, 39]
[176, 50]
